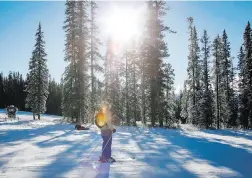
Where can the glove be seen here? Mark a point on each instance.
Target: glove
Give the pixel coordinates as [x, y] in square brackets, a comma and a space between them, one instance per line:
[114, 130]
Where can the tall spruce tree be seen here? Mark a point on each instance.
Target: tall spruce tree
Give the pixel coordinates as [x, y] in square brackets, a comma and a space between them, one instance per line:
[37, 87]
[233, 97]
[75, 81]
[217, 55]
[95, 58]
[246, 92]
[155, 52]
[54, 98]
[242, 98]
[225, 80]
[131, 83]
[168, 103]
[206, 102]
[112, 73]
[193, 74]
[69, 90]
[82, 60]
[179, 106]
[185, 103]
[2, 94]
[144, 53]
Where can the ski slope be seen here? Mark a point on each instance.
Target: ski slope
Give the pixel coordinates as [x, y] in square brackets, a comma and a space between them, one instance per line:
[49, 148]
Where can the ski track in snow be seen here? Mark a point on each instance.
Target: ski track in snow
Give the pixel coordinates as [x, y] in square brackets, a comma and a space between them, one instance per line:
[48, 148]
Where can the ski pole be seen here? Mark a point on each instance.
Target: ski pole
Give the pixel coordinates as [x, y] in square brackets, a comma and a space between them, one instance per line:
[107, 143]
[98, 145]
[94, 149]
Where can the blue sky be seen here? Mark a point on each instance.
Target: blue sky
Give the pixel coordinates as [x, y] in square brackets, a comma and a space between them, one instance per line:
[19, 22]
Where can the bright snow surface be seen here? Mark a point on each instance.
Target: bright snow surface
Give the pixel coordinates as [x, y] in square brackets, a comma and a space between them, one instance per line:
[49, 148]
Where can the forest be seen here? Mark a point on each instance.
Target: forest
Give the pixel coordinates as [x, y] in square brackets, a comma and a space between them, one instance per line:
[138, 79]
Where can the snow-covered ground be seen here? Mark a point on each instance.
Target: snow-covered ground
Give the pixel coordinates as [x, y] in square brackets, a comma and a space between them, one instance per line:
[49, 148]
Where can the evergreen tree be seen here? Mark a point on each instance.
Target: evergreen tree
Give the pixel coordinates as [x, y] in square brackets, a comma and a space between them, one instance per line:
[143, 82]
[75, 81]
[54, 98]
[12, 90]
[217, 76]
[242, 98]
[225, 80]
[168, 102]
[132, 110]
[2, 98]
[233, 98]
[154, 52]
[246, 80]
[69, 77]
[37, 87]
[95, 58]
[113, 88]
[193, 74]
[179, 106]
[185, 103]
[206, 101]
[82, 60]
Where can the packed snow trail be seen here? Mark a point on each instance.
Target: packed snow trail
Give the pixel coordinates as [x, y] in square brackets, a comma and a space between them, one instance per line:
[49, 148]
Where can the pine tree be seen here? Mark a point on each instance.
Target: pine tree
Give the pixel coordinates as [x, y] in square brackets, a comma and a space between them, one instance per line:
[70, 102]
[2, 99]
[95, 58]
[75, 81]
[127, 87]
[132, 110]
[225, 80]
[206, 101]
[193, 74]
[82, 60]
[143, 81]
[54, 98]
[154, 52]
[179, 106]
[168, 102]
[242, 97]
[112, 80]
[246, 81]
[37, 87]
[68, 79]
[185, 103]
[233, 98]
[217, 75]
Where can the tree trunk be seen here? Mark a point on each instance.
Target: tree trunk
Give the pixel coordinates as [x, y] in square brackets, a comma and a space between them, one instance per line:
[135, 99]
[217, 101]
[92, 62]
[127, 92]
[143, 94]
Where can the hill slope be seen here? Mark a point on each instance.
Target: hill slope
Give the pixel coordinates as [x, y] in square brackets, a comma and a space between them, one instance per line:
[48, 148]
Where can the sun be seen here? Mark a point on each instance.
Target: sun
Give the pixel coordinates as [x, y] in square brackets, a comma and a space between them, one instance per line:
[123, 24]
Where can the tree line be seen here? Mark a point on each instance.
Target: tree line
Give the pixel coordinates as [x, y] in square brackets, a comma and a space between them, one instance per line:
[12, 92]
[217, 94]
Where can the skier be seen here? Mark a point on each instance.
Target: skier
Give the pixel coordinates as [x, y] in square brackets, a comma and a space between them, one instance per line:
[104, 122]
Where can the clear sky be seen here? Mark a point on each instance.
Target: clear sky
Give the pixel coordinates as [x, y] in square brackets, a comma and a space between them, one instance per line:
[19, 22]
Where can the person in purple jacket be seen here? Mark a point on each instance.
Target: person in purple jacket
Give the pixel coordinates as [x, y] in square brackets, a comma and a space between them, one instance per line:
[106, 133]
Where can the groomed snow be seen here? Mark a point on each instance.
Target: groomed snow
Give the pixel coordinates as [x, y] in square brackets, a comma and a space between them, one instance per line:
[49, 148]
